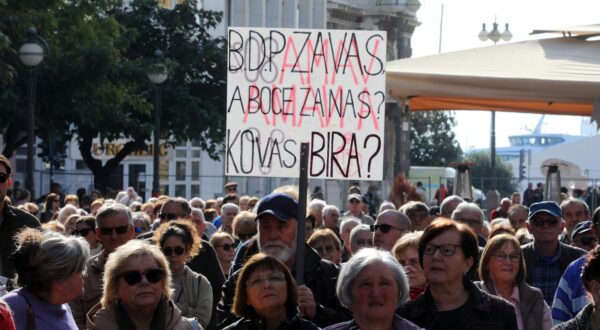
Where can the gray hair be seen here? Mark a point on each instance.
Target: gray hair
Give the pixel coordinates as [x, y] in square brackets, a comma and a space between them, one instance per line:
[143, 218]
[567, 201]
[358, 229]
[112, 209]
[447, 202]
[328, 209]
[413, 206]
[230, 206]
[349, 221]
[198, 212]
[467, 207]
[366, 257]
[386, 205]
[43, 257]
[400, 218]
[197, 200]
[317, 205]
[62, 217]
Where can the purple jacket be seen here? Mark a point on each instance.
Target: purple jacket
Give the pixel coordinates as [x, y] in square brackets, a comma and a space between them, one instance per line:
[397, 324]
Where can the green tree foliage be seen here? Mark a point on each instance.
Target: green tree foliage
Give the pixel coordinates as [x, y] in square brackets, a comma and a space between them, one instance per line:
[94, 81]
[481, 173]
[433, 142]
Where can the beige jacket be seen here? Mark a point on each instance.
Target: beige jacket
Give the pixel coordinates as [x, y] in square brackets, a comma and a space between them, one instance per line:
[92, 290]
[100, 318]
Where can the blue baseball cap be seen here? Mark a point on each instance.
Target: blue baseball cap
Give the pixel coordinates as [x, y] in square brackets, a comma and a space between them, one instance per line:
[582, 227]
[282, 206]
[547, 206]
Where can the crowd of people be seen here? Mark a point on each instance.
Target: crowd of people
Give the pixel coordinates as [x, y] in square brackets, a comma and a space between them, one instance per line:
[230, 263]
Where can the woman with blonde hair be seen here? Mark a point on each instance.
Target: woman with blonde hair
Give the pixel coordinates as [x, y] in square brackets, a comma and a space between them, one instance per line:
[137, 291]
[406, 251]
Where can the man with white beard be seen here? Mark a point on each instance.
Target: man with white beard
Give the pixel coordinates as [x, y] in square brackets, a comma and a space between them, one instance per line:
[277, 226]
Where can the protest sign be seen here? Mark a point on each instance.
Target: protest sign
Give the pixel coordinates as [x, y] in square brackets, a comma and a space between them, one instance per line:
[288, 86]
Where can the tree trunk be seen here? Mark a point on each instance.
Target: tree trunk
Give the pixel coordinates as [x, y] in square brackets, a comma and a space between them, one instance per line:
[102, 173]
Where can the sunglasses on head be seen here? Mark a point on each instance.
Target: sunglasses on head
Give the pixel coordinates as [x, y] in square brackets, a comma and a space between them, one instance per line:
[227, 247]
[246, 236]
[169, 251]
[120, 230]
[133, 277]
[168, 216]
[81, 232]
[3, 177]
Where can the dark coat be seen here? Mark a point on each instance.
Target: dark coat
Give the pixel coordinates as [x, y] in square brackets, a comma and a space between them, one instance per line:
[320, 277]
[531, 304]
[568, 255]
[582, 321]
[14, 220]
[254, 323]
[481, 311]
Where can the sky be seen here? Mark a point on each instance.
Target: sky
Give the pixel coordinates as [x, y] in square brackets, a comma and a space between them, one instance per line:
[462, 22]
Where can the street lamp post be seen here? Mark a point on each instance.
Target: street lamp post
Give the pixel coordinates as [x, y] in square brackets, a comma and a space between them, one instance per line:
[157, 76]
[495, 36]
[31, 54]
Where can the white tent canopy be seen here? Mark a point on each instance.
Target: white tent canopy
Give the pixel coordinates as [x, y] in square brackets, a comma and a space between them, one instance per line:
[553, 76]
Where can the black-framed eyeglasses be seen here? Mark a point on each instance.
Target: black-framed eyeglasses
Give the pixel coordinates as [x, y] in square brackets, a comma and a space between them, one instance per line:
[119, 230]
[244, 237]
[227, 247]
[384, 228]
[501, 257]
[169, 251]
[133, 277]
[81, 232]
[587, 240]
[168, 216]
[3, 177]
[446, 250]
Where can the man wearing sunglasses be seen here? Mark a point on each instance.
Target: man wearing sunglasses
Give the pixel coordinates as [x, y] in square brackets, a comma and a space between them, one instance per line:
[114, 227]
[277, 226]
[389, 227]
[546, 258]
[12, 220]
[354, 204]
[571, 296]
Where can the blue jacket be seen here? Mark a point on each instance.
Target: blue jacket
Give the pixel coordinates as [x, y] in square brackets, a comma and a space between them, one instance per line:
[570, 296]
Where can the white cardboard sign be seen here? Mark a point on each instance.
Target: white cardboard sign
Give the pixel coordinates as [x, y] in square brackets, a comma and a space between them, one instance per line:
[288, 86]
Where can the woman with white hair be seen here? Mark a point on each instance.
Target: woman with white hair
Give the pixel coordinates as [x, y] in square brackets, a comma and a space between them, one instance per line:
[372, 284]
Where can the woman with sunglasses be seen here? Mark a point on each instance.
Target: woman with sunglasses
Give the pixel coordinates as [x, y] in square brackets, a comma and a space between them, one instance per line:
[502, 273]
[266, 297]
[244, 226]
[86, 228]
[50, 271]
[179, 242]
[136, 292]
[447, 250]
[52, 205]
[327, 245]
[224, 246]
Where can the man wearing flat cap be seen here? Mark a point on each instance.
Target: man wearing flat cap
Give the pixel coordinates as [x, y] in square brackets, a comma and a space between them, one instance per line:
[277, 226]
[546, 258]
